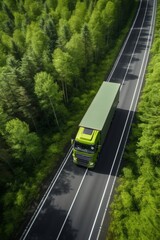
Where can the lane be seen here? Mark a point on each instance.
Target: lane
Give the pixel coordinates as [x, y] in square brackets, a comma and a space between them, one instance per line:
[53, 210]
[71, 207]
[120, 69]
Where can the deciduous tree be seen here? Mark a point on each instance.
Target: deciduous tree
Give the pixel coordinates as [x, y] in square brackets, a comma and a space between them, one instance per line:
[24, 144]
[48, 93]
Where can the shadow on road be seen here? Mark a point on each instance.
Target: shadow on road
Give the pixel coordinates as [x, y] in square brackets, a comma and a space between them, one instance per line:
[113, 147]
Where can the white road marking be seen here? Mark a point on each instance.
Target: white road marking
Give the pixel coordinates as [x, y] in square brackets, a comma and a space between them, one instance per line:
[143, 66]
[31, 222]
[124, 45]
[72, 204]
[131, 105]
[141, 28]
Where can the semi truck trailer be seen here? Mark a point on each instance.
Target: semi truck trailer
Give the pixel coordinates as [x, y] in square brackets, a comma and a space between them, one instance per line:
[95, 124]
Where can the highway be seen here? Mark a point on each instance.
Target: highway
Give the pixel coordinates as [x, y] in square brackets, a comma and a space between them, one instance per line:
[76, 204]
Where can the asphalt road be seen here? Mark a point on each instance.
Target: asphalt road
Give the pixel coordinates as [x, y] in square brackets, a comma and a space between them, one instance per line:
[75, 206]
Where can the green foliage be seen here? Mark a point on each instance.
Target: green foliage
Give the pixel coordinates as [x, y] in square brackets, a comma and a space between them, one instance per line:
[87, 45]
[63, 9]
[19, 39]
[63, 33]
[67, 69]
[75, 48]
[64, 65]
[48, 68]
[20, 21]
[33, 8]
[135, 210]
[77, 18]
[48, 93]
[25, 145]
[38, 41]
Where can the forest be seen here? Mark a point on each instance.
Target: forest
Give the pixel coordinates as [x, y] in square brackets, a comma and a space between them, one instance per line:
[135, 212]
[51, 52]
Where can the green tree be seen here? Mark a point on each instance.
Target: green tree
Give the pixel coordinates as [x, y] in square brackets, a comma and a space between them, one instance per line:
[63, 33]
[3, 21]
[67, 68]
[33, 9]
[109, 20]
[36, 39]
[101, 4]
[20, 22]
[15, 101]
[77, 19]
[6, 41]
[87, 45]
[49, 28]
[96, 29]
[11, 4]
[62, 9]
[8, 25]
[24, 144]
[3, 118]
[51, 4]
[28, 68]
[48, 93]
[76, 49]
[19, 41]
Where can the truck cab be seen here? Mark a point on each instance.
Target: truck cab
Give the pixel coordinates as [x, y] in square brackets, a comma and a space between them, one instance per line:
[86, 147]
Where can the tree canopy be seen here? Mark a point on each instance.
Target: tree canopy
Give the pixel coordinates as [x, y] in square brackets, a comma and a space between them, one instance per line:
[135, 210]
[48, 53]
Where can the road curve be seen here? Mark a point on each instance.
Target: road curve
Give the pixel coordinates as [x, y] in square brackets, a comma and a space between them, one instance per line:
[75, 206]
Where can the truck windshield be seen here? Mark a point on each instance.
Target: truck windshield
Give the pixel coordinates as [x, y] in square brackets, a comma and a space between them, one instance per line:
[84, 147]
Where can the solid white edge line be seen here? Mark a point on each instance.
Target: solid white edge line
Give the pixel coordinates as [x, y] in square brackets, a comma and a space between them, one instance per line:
[135, 46]
[38, 209]
[119, 142]
[145, 62]
[124, 45]
[72, 204]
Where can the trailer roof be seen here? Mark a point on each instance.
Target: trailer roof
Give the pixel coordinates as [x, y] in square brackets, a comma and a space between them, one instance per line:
[98, 111]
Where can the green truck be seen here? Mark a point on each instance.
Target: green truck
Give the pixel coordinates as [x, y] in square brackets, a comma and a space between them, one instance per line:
[94, 125]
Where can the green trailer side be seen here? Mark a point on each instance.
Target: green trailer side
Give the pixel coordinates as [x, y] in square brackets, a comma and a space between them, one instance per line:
[100, 113]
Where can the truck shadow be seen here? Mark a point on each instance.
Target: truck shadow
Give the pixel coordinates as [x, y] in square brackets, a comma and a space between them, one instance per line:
[111, 157]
